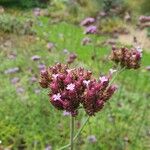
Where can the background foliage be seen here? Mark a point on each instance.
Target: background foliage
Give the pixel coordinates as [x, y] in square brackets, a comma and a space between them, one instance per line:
[27, 120]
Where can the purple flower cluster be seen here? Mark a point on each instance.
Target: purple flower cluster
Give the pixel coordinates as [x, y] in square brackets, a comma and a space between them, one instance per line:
[71, 58]
[87, 21]
[144, 19]
[70, 88]
[50, 46]
[91, 30]
[89, 27]
[86, 41]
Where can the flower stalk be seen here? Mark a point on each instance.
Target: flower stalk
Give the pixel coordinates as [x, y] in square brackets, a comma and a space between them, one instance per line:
[78, 133]
[71, 131]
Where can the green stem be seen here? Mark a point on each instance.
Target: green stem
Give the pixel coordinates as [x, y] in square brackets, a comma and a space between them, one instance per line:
[71, 131]
[76, 136]
[115, 76]
[81, 128]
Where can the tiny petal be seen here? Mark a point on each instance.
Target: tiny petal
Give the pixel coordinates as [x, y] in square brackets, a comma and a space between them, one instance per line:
[70, 87]
[86, 82]
[55, 76]
[103, 79]
[56, 97]
[112, 71]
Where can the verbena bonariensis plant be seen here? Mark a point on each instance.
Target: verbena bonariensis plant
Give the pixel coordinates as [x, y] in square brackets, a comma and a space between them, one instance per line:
[72, 89]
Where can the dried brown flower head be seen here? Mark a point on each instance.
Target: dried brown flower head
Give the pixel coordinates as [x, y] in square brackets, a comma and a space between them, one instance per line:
[128, 58]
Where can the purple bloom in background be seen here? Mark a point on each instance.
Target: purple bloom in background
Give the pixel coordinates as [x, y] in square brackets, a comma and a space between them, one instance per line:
[48, 147]
[86, 41]
[33, 79]
[91, 30]
[65, 51]
[35, 57]
[41, 67]
[20, 90]
[71, 58]
[37, 12]
[12, 56]
[15, 80]
[50, 46]
[87, 21]
[11, 70]
[92, 139]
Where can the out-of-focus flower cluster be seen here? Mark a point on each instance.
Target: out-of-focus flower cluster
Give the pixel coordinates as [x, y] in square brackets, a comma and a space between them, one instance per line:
[71, 88]
[128, 58]
[144, 22]
[71, 58]
[89, 27]
[144, 19]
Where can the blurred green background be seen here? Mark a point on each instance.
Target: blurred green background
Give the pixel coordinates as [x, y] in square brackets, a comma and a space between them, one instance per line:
[27, 119]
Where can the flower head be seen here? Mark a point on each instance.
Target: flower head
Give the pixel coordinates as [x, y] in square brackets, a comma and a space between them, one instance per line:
[35, 57]
[50, 46]
[86, 41]
[87, 21]
[71, 58]
[91, 30]
[128, 58]
[144, 19]
[37, 12]
[70, 88]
